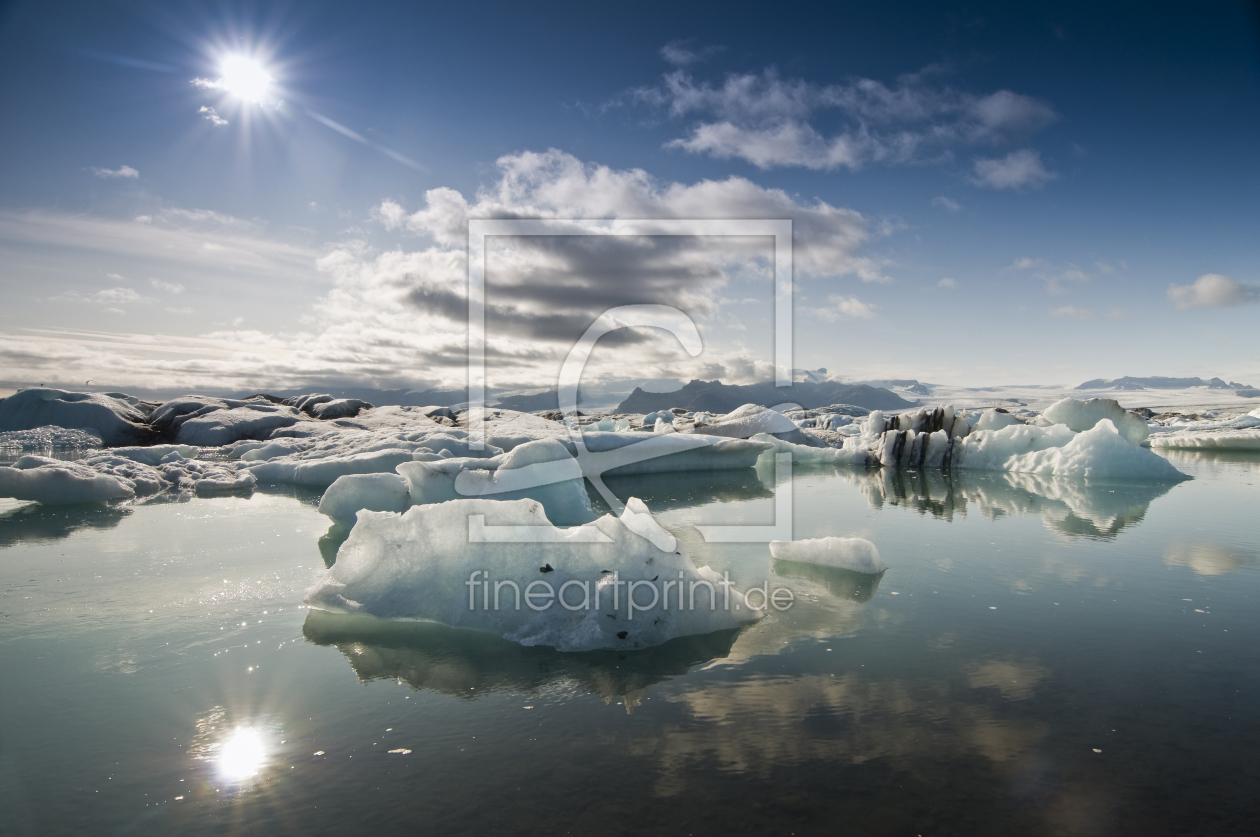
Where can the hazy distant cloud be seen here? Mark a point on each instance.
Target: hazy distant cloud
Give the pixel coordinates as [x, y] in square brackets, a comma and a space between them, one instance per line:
[1072, 311]
[179, 310]
[121, 171]
[947, 283]
[1212, 290]
[681, 53]
[212, 116]
[947, 203]
[769, 121]
[844, 306]
[1017, 170]
[169, 287]
[1056, 277]
[109, 299]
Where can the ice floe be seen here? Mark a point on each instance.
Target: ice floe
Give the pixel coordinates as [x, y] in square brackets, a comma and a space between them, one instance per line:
[853, 554]
[611, 584]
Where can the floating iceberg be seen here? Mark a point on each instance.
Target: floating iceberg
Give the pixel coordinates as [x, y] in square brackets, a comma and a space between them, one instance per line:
[1241, 433]
[116, 418]
[1209, 440]
[56, 482]
[1084, 415]
[1100, 453]
[616, 583]
[375, 492]
[854, 554]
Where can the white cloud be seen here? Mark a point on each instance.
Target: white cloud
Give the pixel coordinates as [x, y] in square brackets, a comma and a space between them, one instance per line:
[169, 287]
[397, 317]
[769, 121]
[212, 116]
[845, 306]
[1212, 290]
[947, 203]
[1017, 170]
[121, 171]
[179, 310]
[1072, 311]
[947, 283]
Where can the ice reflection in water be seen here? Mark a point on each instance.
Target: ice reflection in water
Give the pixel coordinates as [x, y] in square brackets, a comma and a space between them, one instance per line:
[467, 664]
[1073, 507]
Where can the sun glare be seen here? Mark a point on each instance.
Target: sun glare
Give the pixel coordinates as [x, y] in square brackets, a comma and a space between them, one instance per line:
[242, 755]
[245, 78]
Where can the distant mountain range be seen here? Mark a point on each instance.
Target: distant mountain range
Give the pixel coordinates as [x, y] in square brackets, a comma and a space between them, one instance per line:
[717, 397]
[1158, 382]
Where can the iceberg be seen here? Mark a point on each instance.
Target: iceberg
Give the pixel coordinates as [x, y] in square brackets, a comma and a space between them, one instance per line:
[854, 554]
[614, 583]
[56, 482]
[375, 492]
[1084, 415]
[1100, 453]
[116, 418]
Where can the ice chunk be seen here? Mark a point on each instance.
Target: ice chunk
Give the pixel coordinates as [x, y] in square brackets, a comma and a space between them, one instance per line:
[995, 420]
[433, 481]
[56, 482]
[339, 408]
[224, 426]
[1208, 440]
[324, 471]
[115, 420]
[423, 565]
[1083, 415]
[746, 422]
[1098, 453]
[374, 492]
[544, 471]
[855, 454]
[156, 454]
[855, 554]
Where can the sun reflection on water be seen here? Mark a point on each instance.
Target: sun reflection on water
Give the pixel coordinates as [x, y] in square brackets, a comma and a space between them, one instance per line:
[242, 755]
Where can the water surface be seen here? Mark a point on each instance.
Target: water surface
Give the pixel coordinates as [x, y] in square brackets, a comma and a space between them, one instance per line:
[1041, 657]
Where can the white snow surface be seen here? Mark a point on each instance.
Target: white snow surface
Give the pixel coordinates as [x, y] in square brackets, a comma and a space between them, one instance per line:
[117, 420]
[856, 554]
[422, 564]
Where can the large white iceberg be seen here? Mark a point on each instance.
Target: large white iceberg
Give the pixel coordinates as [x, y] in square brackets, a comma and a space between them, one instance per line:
[117, 418]
[616, 583]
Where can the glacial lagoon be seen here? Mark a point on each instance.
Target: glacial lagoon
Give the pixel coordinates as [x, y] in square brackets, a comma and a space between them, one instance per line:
[1042, 656]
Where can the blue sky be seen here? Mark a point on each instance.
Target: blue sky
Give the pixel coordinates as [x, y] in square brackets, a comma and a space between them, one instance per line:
[982, 194]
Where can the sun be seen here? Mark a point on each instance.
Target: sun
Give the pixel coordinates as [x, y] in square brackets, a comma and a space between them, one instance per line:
[245, 78]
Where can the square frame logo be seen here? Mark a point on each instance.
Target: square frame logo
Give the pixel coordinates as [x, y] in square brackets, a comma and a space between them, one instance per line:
[591, 464]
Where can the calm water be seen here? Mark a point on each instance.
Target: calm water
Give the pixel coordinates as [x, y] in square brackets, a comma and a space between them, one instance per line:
[1042, 657]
